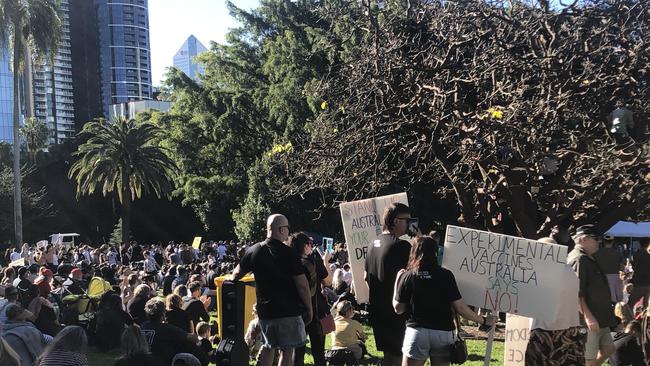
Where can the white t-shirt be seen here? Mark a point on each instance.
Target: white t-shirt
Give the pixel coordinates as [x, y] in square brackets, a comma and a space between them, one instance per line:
[568, 310]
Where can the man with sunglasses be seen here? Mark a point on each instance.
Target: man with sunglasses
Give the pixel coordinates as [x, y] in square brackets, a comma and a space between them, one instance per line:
[594, 295]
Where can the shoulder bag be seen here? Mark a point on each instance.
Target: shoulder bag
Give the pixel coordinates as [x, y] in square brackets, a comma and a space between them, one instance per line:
[457, 350]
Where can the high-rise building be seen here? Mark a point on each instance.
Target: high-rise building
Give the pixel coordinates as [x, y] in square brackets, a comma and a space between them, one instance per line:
[184, 58]
[125, 54]
[86, 67]
[6, 98]
[52, 86]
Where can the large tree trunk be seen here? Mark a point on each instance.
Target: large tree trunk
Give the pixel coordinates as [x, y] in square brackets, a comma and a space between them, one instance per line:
[126, 210]
[18, 213]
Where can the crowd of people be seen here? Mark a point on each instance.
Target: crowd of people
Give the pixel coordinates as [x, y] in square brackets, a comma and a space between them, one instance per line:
[154, 302]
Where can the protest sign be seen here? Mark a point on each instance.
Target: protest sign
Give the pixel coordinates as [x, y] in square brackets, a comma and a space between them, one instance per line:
[362, 225]
[197, 242]
[517, 334]
[506, 273]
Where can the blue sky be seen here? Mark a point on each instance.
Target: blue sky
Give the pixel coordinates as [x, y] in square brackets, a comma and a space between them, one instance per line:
[172, 21]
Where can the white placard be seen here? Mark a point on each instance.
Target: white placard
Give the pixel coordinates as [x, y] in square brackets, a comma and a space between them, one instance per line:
[506, 273]
[517, 335]
[362, 225]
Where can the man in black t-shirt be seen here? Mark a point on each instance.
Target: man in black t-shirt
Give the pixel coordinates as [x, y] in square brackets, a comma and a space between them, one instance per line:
[165, 340]
[283, 297]
[387, 255]
[194, 307]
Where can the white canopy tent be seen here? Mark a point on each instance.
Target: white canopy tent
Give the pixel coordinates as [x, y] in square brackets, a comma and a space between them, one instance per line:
[630, 229]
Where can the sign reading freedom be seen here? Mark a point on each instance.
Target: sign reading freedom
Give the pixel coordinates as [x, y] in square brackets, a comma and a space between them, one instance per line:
[506, 273]
[362, 225]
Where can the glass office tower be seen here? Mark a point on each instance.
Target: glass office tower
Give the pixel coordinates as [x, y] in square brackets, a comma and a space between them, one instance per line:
[184, 58]
[125, 53]
[6, 98]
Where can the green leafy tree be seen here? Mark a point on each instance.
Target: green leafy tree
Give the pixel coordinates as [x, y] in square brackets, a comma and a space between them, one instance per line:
[256, 93]
[116, 235]
[124, 157]
[35, 133]
[28, 25]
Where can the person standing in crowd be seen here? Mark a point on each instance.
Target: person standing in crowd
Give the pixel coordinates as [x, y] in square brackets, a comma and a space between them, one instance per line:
[15, 255]
[66, 349]
[135, 349]
[594, 296]
[558, 341]
[165, 340]
[641, 276]
[281, 287]
[23, 336]
[429, 295]
[316, 273]
[387, 255]
[612, 263]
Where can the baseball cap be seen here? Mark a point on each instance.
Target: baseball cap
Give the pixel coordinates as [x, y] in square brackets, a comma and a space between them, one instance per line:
[46, 272]
[75, 271]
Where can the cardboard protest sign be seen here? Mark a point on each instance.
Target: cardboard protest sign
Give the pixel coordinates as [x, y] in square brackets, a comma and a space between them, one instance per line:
[506, 273]
[362, 225]
[517, 335]
[197, 242]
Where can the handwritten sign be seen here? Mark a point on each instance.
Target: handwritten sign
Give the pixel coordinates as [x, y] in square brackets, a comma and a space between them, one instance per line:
[506, 273]
[18, 263]
[517, 335]
[362, 225]
[197, 242]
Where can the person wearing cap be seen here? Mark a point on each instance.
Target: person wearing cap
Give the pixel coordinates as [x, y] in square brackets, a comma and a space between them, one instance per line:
[611, 261]
[73, 283]
[594, 296]
[10, 296]
[23, 336]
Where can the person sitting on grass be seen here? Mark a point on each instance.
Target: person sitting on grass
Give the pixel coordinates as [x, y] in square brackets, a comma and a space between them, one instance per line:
[135, 349]
[175, 315]
[67, 349]
[349, 334]
[205, 338]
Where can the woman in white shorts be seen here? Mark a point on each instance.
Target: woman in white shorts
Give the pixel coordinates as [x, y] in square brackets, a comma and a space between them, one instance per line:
[428, 293]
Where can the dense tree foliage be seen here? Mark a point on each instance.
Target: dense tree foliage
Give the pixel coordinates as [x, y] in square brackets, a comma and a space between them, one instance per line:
[504, 106]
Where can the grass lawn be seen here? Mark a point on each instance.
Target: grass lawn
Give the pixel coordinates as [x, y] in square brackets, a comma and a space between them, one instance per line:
[476, 350]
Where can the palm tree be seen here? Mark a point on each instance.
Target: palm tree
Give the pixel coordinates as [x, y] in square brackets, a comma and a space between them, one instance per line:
[26, 24]
[35, 133]
[123, 156]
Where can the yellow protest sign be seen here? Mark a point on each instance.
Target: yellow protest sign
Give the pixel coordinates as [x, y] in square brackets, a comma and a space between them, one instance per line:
[197, 242]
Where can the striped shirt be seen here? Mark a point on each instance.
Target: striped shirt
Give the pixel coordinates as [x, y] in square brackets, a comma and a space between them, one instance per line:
[64, 358]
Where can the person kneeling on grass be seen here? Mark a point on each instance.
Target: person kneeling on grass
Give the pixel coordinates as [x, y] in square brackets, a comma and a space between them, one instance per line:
[349, 334]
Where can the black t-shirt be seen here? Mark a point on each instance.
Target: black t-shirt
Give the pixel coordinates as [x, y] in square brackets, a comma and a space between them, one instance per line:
[386, 257]
[167, 340]
[430, 292]
[167, 284]
[179, 318]
[196, 311]
[274, 265]
[135, 308]
[628, 351]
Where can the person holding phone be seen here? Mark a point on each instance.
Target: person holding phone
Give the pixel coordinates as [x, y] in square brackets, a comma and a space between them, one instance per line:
[386, 257]
[429, 295]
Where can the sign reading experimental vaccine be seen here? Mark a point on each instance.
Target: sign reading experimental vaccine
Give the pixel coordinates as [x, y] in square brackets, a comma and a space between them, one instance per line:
[362, 225]
[506, 273]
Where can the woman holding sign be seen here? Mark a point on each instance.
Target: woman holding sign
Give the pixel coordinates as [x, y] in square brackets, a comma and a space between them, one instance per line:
[430, 326]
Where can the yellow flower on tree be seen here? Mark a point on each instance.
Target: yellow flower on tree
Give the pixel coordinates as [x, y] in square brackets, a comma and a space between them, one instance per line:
[495, 113]
[323, 105]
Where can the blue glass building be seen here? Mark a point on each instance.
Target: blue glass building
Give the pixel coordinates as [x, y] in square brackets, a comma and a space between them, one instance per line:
[6, 98]
[124, 51]
[184, 58]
